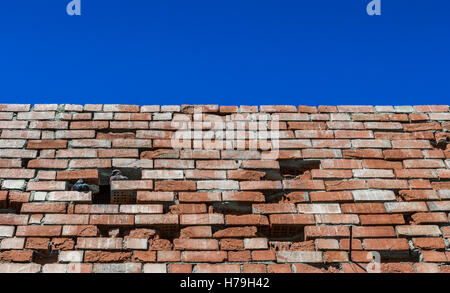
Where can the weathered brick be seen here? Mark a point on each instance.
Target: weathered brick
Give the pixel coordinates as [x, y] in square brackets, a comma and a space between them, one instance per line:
[165, 219]
[203, 256]
[99, 243]
[418, 230]
[47, 186]
[70, 196]
[196, 244]
[38, 231]
[299, 256]
[111, 220]
[202, 219]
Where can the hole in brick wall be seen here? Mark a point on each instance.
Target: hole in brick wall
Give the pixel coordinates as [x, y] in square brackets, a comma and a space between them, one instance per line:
[45, 257]
[274, 196]
[297, 167]
[283, 232]
[25, 162]
[103, 196]
[125, 133]
[441, 144]
[408, 218]
[234, 208]
[143, 150]
[399, 256]
[107, 196]
[8, 210]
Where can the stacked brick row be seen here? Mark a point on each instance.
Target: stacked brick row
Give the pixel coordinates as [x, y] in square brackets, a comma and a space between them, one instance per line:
[377, 175]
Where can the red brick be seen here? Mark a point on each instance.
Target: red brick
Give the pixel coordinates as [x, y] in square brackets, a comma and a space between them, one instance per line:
[48, 125]
[203, 256]
[89, 175]
[274, 208]
[10, 163]
[217, 268]
[147, 196]
[434, 256]
[188, 209]
[338, 196]
[387, 184]
[144, 256]
[422, 126]
[413, 195]
[429, 243]
[107, 257]
[196, 244]
[175, 186]
[90, 163]
[374, 232]
[99, 243]
[47, 144]
[70, 196]
[362, 154]
[397, 268]
[386, 244]
[402, 154]
[418, 230]
[263, 255]
[118, 153]
[335, 256]
[52, 219]
[16, 256]
[38, 231]
[327, 174]
[381, 164]
[249, 231]
[165, 219]
[200, 196]
[89, 125]
[312, 232]
[37, 243]
[339, 185]
[231, 244]
[63, 244]
[415, 173]
[384, 219]
[244, 220]
[168, 256]
[427, 268]
[16, 173]
[132, 185]
[249, 268]
[432, 108]
[12, 219]
[12, 153]
[336, 219]
[178, 268]
[429, 218]
[48, 164]
[303, 184]
[291, 219]
[356, 244]
[46, 186]
[279, 268]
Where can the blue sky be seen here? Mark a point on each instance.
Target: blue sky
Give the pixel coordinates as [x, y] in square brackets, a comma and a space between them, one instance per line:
[225, 52]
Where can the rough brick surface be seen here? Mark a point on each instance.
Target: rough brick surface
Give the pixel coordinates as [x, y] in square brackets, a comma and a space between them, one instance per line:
[284, 201]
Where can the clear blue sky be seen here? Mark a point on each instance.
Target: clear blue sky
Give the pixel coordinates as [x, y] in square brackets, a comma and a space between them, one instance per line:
[232, 52]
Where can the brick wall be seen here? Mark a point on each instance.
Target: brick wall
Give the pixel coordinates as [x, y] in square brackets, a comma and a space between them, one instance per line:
[285, 200]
